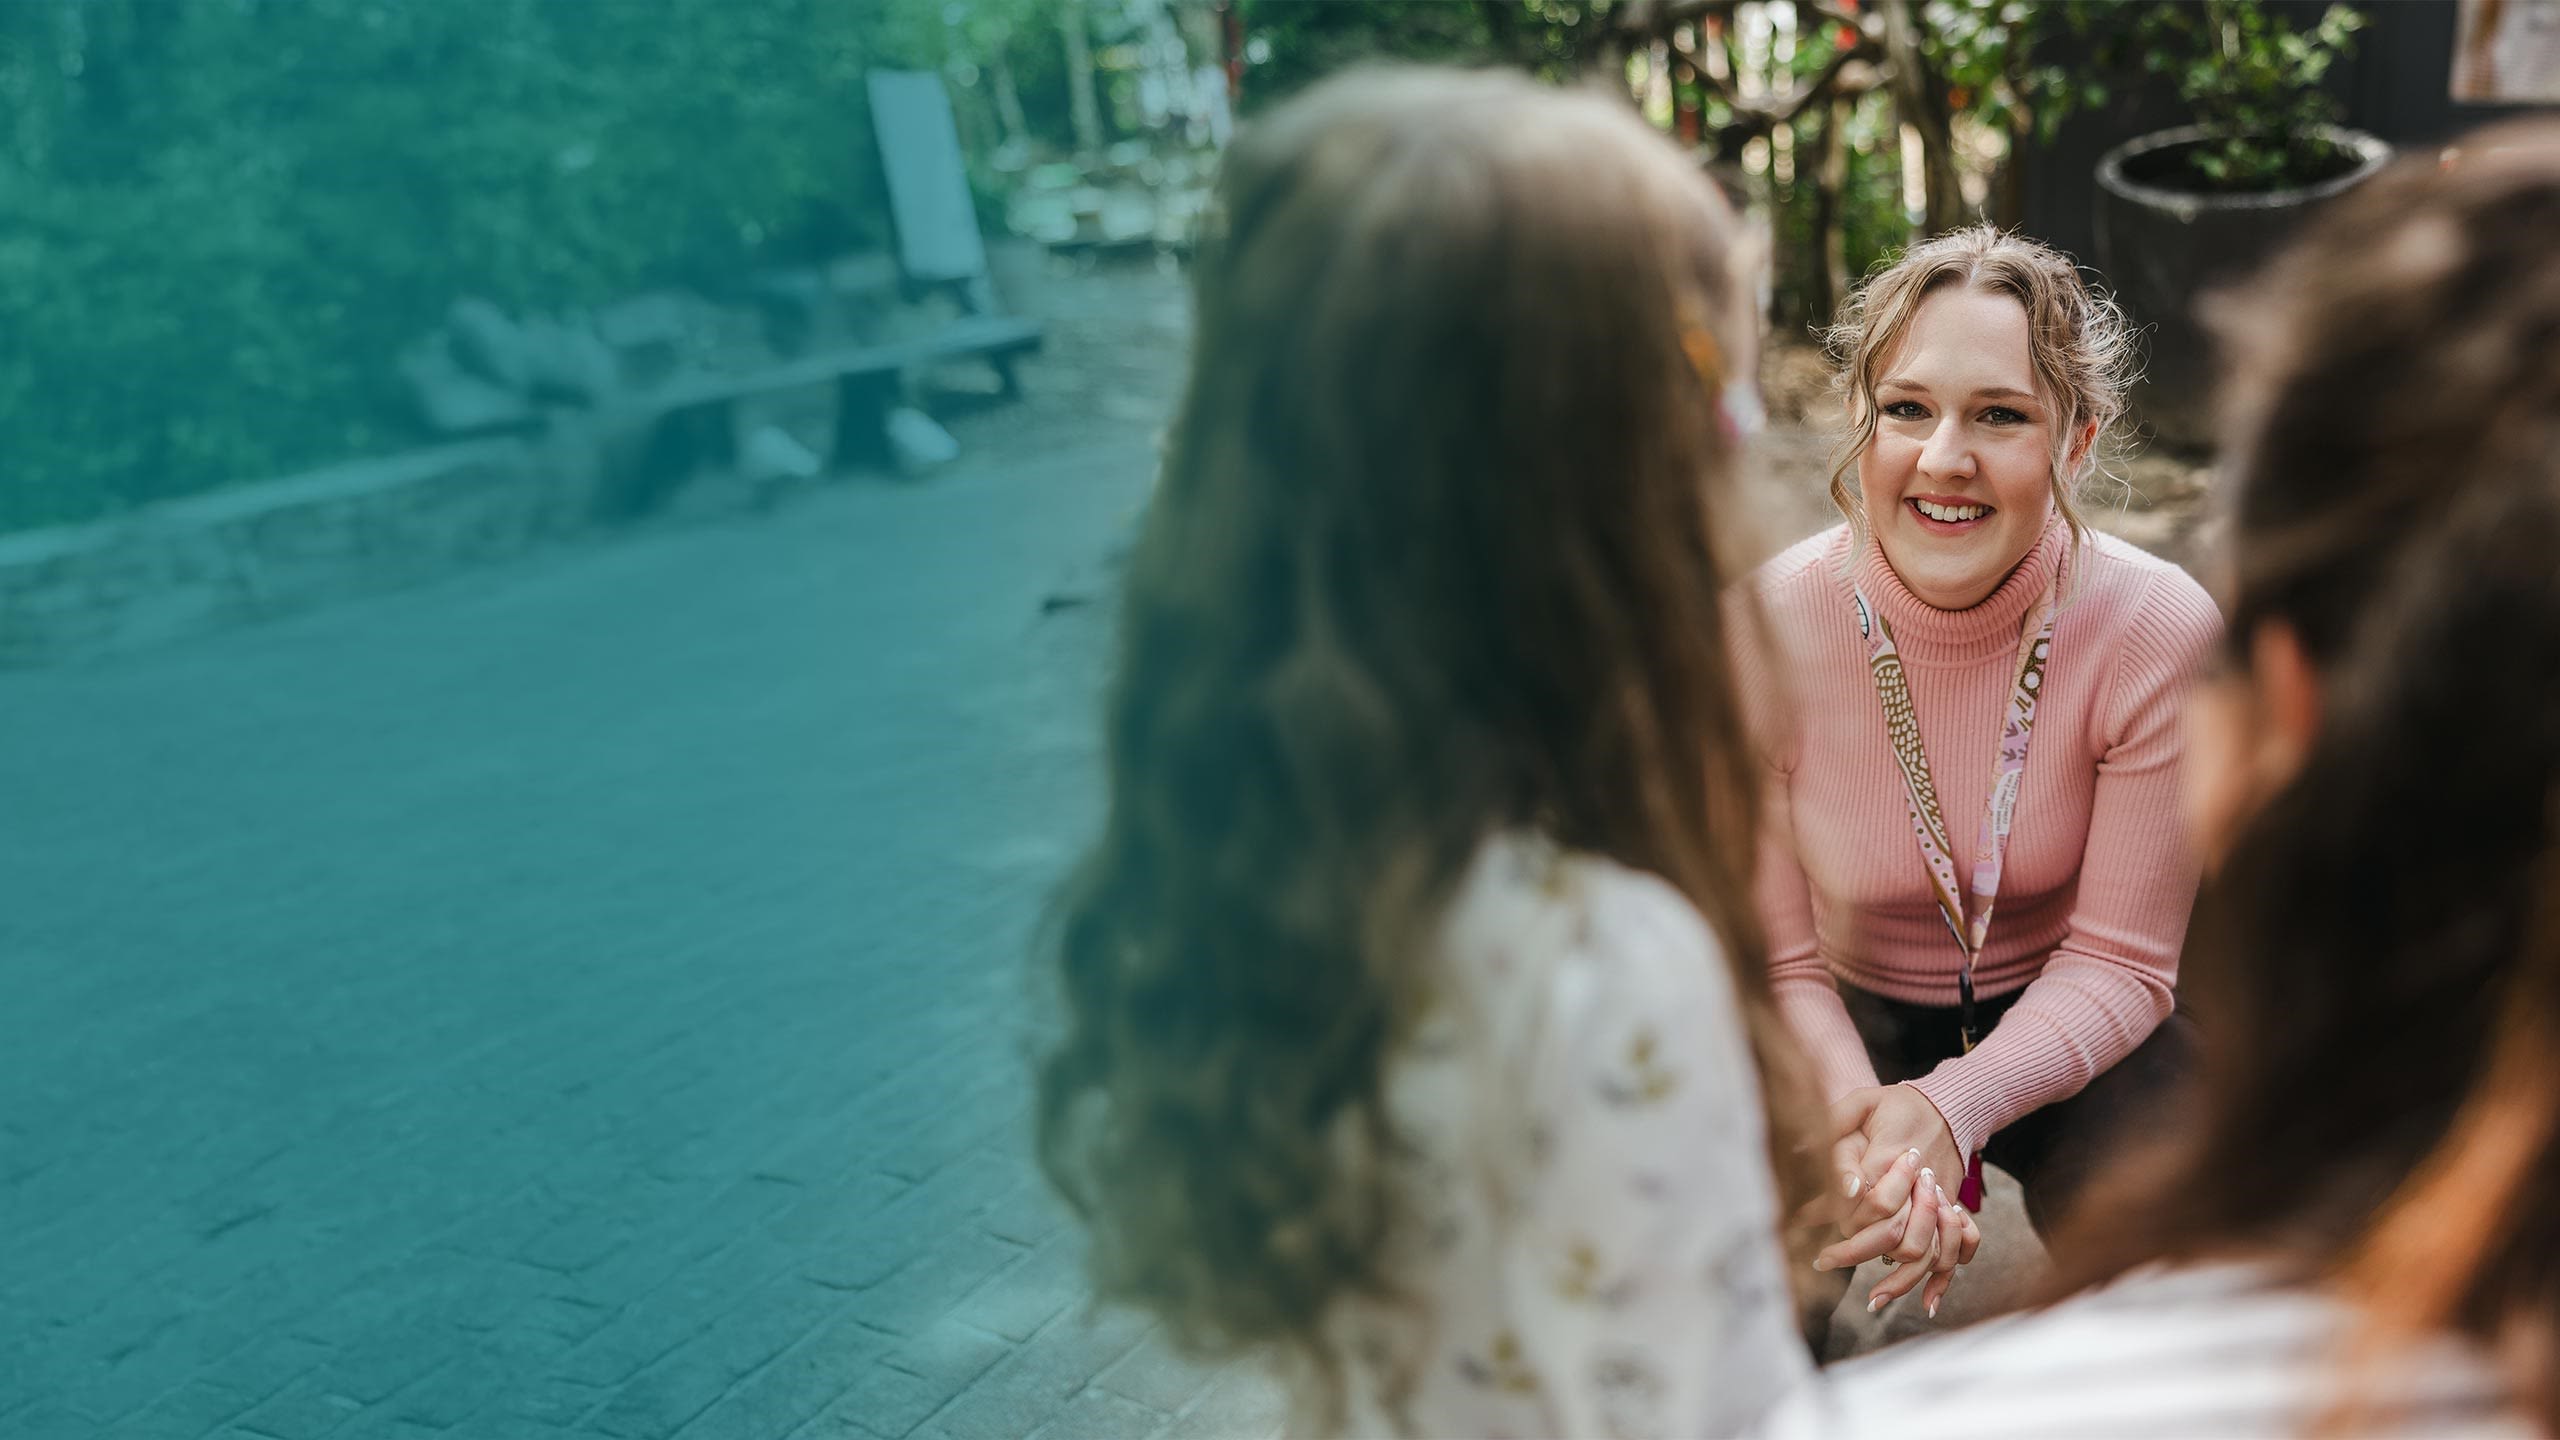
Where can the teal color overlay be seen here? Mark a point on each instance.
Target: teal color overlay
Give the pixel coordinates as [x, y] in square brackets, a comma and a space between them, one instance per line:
[533, 758]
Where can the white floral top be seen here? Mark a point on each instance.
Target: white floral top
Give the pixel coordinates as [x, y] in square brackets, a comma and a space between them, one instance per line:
[1597, 1250]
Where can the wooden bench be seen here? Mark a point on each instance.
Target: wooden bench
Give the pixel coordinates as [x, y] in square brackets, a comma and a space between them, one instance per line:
[694, 422]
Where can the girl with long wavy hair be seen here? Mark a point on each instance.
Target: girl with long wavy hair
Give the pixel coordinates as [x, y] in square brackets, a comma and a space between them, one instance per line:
[1416, 1032]
[2357, 1234]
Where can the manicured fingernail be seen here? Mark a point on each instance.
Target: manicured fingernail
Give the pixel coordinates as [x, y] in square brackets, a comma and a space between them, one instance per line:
[1875, 1304]
[1911, 1154]
[1933, 1308]
[1850, 1185]
[1928, 1178]
[1821, 1264]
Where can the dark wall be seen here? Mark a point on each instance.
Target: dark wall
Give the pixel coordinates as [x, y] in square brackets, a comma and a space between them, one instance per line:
[2396, 84]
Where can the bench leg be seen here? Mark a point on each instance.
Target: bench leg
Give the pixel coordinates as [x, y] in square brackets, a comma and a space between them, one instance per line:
[680, 446]
[862, 420]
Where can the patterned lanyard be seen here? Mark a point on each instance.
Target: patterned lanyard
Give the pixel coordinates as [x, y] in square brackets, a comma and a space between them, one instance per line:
[1991, 848]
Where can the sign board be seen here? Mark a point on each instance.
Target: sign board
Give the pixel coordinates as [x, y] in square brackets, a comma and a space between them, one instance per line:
[929, 200]
[2507, 52]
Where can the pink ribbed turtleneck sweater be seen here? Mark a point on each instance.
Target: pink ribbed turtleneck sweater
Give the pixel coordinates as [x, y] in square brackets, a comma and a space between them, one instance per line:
[2093, 905]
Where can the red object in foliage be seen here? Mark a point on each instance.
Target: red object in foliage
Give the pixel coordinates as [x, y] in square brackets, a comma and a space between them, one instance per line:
[1231, 40]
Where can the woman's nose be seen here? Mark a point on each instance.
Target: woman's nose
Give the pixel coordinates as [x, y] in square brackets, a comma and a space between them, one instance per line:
[1947, 453]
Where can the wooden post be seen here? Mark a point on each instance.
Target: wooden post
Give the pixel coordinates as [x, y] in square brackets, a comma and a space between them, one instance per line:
[1086, 110]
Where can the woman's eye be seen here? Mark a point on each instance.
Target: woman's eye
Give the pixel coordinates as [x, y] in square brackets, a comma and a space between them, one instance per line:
[2003, 415]
[1905, 410]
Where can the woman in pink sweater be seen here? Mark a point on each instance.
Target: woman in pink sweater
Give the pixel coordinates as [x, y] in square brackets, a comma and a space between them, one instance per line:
[1985, 717]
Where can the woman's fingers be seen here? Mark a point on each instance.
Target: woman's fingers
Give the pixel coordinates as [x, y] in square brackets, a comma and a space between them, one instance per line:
[1895, 1284]
[1887, 1192]
[1886, 1199]
[1951, 1228]
[1849, 1116]
[1916, 1252]
[1864, 1246]
[1919, 1240]
[1972, 1236]
[1848, 1156]
[1950, 1238]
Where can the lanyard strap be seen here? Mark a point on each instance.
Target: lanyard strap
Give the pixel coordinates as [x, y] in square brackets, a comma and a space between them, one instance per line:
[1970, 925]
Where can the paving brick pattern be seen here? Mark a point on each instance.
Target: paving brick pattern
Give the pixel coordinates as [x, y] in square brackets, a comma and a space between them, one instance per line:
[588, 997]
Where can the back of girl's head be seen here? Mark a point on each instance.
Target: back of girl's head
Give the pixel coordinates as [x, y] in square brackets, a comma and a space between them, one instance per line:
[2378, 958]
[1447, 409]
[1431, 555]
[2080, 350]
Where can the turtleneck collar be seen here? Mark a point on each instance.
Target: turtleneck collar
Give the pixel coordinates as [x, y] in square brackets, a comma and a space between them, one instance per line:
[1927, 634]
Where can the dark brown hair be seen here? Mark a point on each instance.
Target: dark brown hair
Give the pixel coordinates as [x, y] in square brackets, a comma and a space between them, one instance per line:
[1431, 557]
[2378, 959]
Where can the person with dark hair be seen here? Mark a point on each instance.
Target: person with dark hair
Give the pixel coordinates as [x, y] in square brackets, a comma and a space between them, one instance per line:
[2353, 1237]
[1416, 1030]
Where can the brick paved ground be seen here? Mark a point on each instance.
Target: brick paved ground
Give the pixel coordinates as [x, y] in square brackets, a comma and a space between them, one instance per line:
[586, 997]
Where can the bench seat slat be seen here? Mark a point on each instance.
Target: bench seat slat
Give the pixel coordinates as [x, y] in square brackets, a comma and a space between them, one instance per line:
[974, 334]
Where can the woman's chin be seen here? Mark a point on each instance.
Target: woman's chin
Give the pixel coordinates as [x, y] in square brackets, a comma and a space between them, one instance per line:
[1954, 572]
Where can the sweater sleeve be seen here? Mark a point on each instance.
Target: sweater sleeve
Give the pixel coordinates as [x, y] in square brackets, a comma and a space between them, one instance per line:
[2109, 983]
[1799, 979]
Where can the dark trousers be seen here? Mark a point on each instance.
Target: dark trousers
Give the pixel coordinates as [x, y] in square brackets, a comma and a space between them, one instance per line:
[2051, 1152]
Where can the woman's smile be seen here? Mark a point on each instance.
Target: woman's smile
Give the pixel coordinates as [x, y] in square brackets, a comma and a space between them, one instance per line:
[1940, 515]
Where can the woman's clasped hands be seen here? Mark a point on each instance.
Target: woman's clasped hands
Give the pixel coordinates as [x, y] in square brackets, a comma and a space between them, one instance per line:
[1896, 1195]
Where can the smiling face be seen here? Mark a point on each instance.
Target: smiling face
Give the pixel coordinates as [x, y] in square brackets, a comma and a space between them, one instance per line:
[1958, 481]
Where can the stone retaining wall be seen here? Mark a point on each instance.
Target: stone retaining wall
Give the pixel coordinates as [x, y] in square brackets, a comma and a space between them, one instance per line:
[256, 551]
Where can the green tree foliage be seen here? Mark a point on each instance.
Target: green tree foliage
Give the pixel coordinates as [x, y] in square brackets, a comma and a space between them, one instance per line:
[1310, 39]
[2254, 82]
[220, 219]
[2250, 79]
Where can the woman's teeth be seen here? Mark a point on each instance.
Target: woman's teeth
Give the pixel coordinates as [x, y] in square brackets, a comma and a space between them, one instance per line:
[1951, 513]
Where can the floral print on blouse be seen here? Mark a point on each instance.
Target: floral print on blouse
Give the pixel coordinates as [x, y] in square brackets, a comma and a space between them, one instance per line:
[1596, 1249]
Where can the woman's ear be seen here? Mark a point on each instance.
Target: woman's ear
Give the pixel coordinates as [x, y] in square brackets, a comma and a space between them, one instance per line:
[2080, 446]
[2287, 687]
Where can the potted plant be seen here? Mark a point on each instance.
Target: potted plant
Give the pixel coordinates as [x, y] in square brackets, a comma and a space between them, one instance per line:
[2180, 210]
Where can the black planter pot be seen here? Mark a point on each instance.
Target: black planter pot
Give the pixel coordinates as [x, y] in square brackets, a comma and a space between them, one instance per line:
[2160, 247]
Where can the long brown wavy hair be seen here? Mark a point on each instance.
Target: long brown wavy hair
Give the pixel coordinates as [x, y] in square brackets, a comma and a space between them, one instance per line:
[2380, 955]
[1435, 552]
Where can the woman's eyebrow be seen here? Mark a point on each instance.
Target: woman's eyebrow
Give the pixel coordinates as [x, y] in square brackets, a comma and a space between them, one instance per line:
[1987, 392]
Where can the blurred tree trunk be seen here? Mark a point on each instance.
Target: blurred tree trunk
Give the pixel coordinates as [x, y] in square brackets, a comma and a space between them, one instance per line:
[1016, 125]
[1920, 98]
[1828, 276]
[1086, 109]
[2009, 182]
